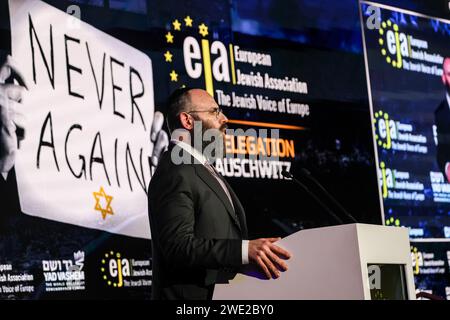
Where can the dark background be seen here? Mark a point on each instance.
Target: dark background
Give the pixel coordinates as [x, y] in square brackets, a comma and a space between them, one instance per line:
[320, 39]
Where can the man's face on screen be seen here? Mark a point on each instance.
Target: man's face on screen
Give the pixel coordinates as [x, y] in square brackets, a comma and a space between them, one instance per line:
[446, 74]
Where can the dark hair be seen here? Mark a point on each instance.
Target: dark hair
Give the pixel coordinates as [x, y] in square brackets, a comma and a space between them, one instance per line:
[176, 103]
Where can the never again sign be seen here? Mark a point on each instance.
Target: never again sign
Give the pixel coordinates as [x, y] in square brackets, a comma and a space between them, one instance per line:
[84, 159]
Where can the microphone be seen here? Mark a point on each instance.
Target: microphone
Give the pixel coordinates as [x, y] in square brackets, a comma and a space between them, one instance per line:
[289, 175]
[310, 177]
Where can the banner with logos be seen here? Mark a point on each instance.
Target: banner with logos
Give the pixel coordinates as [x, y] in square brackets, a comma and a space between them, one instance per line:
[408, 74]
[408, 69]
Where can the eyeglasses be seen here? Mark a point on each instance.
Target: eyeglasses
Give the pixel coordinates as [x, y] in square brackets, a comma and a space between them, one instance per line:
[215, 111]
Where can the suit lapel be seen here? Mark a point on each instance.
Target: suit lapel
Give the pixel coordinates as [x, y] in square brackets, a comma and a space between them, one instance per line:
[239, 209]
[212, 183]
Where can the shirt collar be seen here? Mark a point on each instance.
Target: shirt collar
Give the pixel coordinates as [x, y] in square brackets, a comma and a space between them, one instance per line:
[448, 99]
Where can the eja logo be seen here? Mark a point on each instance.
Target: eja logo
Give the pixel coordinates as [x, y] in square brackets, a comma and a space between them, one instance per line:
[115, 268]
[213, 59]
[394, 44]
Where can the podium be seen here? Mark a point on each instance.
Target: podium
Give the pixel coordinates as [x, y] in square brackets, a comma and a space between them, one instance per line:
[353, 261]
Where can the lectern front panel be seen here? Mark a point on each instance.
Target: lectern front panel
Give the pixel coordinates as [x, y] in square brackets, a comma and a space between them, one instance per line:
[387, 281]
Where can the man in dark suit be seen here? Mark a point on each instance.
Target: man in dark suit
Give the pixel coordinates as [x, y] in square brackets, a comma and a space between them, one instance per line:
[197, 222]
[442, 121]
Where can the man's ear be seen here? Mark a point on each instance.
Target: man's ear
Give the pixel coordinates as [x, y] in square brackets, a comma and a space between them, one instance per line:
[186, 121]
[443, 79]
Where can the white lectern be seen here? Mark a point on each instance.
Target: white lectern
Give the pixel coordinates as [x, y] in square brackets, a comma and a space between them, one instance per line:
[353, 261]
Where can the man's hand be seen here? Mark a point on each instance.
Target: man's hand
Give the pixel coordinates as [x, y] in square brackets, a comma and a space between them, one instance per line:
[12, 118]
[447, 171]
[159, 138]
[266, 255]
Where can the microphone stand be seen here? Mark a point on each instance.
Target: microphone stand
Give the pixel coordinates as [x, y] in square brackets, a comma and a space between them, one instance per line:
[289, 175]
[309, 176]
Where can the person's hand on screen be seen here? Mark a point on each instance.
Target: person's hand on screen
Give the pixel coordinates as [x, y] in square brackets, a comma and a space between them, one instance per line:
[12, 118]
[159, 138]
[447, 171]
[268, 256]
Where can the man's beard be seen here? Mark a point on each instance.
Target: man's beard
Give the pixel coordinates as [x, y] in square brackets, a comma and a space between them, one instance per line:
[217, 143]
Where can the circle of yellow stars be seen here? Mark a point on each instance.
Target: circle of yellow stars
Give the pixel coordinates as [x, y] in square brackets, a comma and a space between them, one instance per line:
[103, 269]
[384, 26]
[177, 26]
[385, 116]
[393, 222]
[415, 252]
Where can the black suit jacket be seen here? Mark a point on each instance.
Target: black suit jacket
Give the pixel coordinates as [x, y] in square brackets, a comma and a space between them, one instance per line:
[196, 234]
[442, 121]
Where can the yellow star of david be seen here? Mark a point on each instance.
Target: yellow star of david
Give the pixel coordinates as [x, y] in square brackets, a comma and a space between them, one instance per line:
[98, 207]
[203, 30]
